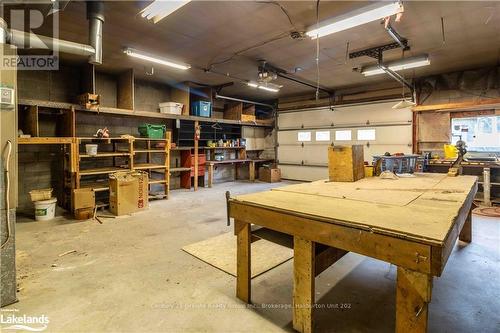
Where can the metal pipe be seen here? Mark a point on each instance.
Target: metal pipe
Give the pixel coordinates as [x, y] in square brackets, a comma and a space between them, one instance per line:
[3, 31]
[243, 100]
[95, 15]
[395, 76]
[403, 43]
[18, 38]
[284, 76]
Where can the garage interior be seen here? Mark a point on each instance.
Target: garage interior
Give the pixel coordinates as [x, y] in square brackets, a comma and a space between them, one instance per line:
[250, 166]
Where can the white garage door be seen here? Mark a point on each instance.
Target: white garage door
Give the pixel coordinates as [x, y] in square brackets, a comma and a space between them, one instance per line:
[304, 135]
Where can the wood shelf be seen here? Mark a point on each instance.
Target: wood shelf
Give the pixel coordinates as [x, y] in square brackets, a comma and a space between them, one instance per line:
[135, 113]
[147, 166]
[44, 141]
[149, 151]
[157, 181]
[179, 169]
[100, 171]
[102, 155]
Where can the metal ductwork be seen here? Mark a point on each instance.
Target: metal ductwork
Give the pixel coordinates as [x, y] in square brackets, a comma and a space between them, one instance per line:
[95, 15]
[20, 39]
[3, 31]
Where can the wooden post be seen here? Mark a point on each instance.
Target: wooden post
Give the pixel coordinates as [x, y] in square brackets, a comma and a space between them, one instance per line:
[466, 232]
[168, 143]
[196, 139]
[303, 284]
[413, 295]
[243, 260]
[251, 171]
[210, 174]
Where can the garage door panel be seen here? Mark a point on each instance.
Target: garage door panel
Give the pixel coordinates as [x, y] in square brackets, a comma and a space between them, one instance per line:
[380, 113]
[392, 130]
[317, 154]
[296, 172]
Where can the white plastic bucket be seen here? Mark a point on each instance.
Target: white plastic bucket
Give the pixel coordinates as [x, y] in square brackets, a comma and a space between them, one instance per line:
[91, 149]
[171, 107]
[45, 209]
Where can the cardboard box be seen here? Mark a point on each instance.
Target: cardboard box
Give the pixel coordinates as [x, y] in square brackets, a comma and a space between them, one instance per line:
[269, 175]
[143, 189]
[346, 163]
[128, 192]
[83, 198]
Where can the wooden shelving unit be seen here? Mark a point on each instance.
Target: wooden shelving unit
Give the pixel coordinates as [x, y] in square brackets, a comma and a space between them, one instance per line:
[151, 150]
[120, 155]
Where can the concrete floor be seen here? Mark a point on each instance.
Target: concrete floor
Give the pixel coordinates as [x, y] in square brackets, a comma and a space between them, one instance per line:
[129, 275]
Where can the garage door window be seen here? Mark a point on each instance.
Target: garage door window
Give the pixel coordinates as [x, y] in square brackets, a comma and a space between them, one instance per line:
[366, 134]
[323, 136]
[343, 135]
[304, 136]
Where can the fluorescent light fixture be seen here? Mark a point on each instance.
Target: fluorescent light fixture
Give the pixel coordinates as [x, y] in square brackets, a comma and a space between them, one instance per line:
[267, 87]
[156, 60]
[399, 65]
[159, 9]
[355, 18]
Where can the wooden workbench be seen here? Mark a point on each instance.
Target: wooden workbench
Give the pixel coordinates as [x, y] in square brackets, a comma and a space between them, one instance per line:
[410, 222]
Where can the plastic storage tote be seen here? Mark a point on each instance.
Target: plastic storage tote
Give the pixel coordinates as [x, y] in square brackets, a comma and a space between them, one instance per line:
[201, 109]
[171, 107]
[152, 131]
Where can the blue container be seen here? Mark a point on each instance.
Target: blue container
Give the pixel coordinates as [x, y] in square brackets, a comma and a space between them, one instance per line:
[201, 109]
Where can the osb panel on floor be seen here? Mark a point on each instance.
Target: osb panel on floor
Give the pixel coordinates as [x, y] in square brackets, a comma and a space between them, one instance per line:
[220, 252]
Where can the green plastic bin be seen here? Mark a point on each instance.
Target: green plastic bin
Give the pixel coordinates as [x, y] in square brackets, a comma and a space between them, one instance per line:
[152, 131]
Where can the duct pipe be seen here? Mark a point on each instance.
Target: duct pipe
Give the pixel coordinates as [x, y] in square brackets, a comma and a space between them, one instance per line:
[18, 38]
[3, 31]
[95, 15]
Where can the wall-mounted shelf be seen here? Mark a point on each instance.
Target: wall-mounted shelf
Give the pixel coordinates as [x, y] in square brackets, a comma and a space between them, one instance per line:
[138, 113]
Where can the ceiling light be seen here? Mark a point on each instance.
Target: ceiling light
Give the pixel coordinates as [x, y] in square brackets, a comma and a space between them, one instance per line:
[403, 104]
[159, 9]
[157, 60]
[355, 18]
[399, 65]
[267, 87]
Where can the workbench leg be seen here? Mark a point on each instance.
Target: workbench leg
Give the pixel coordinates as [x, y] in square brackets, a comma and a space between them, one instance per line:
[210, 175]
[412, 298]
[251, 171]
[466, 232]
[303, 284]
[235, 171]
[243, 260]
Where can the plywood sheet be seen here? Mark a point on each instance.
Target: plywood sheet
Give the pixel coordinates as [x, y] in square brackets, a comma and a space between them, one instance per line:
[220, 252]
[423, 208]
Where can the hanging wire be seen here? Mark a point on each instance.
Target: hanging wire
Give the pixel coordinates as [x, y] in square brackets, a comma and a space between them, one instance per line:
[317, 51]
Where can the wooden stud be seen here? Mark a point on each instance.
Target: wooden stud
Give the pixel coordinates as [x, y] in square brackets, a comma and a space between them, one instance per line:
[125, 90]
[466, 232]
[303, 284]
[413, 295]
[243, 255]
[251, 171]
[196, 129]
[210, 174]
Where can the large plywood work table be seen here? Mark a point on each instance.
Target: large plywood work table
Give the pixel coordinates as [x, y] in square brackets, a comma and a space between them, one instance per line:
[410, 222]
